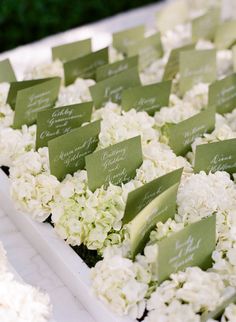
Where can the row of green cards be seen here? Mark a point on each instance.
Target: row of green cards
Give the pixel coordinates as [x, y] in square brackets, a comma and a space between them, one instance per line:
[149, 98]
[115, 164]
[156, 202]
[148, 49]
[113, 69]
[191, 246]
[67, 152]
[205, 26]
[28, 98]
[172, 14]
[133, 42]
[6, 72]
[73, 151]
[216, 156]
[194, 66]
[222, 94]
[72, 50]
[121, 40]
[172, 65]
[110, 89]
[54, 122]
[85, 66]
[180, 136]
[143, 214]
[226, 35]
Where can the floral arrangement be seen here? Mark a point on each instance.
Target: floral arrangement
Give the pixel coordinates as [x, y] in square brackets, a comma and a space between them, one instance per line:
[92, 220]
[20, 302]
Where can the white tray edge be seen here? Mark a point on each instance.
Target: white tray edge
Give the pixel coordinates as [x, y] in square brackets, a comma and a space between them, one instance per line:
[74, 273]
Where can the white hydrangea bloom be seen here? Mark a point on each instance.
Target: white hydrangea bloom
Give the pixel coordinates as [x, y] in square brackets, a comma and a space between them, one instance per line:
[201, 195]
[32, 186]
[199, 290]
[77, 92]
[163, 230]
[109, 107]
[175, 311]
[121, 284]
[197, 96]
[154, 72]
[14, 143]
[192, 103]
[174, 114]
[224, 63]
[6, 116]
[22, 303]
[114, 55]
[177, 37]
[203, 44]
[224, 255]
[230, 119]
[81, 216]
[52, 69]
[159, 159]
[117, 127]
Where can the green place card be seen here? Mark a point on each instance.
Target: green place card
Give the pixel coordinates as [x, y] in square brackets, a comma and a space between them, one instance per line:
[172, 66]
[31, 100]
[61, 120]
[6, 72]
[192, 246]
[148, 49]
[110, 89]
[217, 156]
[149, 98]
[234, 57]
[67, 152]
[226, 35]
[109, 70]
[181, 135]
[204, 27]
[172, 14]
[17, 86]
[217, 313]
[116, 164]
[142, 196]
[122, 39]
[222, 94]
[72, 50]
[161, 208]
[197, 66]
[85, 66]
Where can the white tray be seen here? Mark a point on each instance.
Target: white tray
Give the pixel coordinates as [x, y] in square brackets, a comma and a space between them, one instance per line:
[60, 257]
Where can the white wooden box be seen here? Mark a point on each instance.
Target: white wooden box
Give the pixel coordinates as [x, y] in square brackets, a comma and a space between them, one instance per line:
[60, 257]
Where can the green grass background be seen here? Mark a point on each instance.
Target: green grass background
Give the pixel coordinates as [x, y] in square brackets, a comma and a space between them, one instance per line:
[24, 21]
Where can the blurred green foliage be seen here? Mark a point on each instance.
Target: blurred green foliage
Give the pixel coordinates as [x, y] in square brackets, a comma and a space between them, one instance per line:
[24, 21]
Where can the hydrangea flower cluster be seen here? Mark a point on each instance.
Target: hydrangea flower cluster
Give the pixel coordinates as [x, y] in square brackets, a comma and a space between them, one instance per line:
[20, 302]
